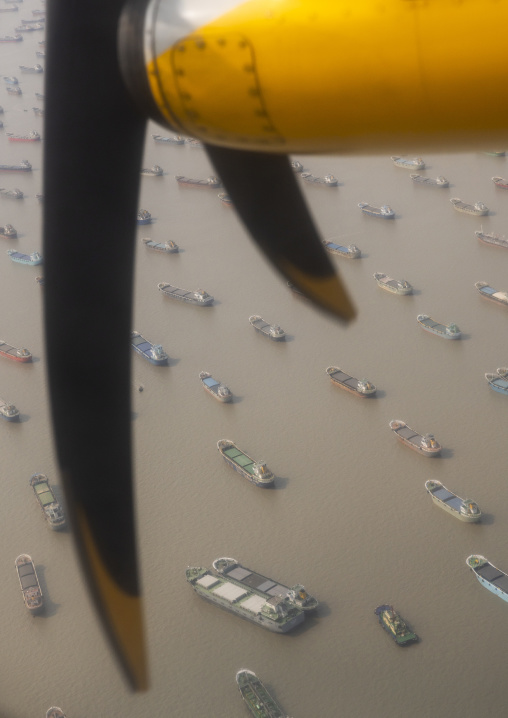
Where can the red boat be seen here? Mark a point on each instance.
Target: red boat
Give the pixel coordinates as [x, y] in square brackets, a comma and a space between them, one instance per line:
[500, 182]
[32, 136]
[13, 353]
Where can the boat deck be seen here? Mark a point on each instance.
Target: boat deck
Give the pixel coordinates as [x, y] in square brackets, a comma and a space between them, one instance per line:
[343, 378]
[409, 435]
[44, 493]
[448, 498]
[210, 382]
[257, 582]
[494, 576]
[238, 457]
[142, 344]
[431, 324]
[261, 325]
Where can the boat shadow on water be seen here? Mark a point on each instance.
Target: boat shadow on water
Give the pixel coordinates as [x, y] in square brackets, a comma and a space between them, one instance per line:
[487, 519]
[50, 608]
[280, 482]
[445, 454]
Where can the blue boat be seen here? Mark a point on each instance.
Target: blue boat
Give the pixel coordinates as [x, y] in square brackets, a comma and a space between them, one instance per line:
[153, 352]
[499, 381]
[11, 80]
[31, 259]
[493, 294]
[489, 576]
[351, 252]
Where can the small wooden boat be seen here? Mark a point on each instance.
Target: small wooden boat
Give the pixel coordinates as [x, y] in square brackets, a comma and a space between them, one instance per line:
[395, 625]
[200, 298]
[225, 199]
[174, 140]
[448, 331]
[385, 211]
[10, 352]
[359, 387]
[32, 136]
[351, 252]
[30, 587]
[490, 293]
[8, 411]
[272, 331]
[210, 182]
[437, 182]
[499, 381]
[8, 232]
[215, 388]
[11, 193]
[327, 180]
[169, 247]
[155, 171]
[153, 352]
[30, 259]
[415, 164]
[256, 472]
[13, 90]
[424, 444]
[478, 208]
[500, 182]
[143, 217]
[48, 503]
[491, 238]
[396, 286]
[463, 509]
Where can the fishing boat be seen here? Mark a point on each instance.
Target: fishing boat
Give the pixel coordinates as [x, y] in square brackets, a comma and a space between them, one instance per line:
[11, 193]
[22, 354]
[256, 472]
[24, 166]
[272, 331]
[48, 503]
[154, 171]
[13, 90]
[384, 211]
[30, 587]
[327, 180]
[490, 238]
[490, 293]
[296, 166]
[32, 136]
[31, 259]
[359, 387]
[424, 444]
[351, 252]
[55, 712]
[437, 182]
[11, 38]
[275, 613]
[174, 140]
[225, 199]
[463, 509]
[415, 164]
[395, 625]
[499, 381]
[200, 298]
[8, 411]
[32, 69]
[212, 182]
[11, 80]
[259, 701]
[489, 576]
[143, 217]
[169, 247]
[396, 286]
[448, 331]
[153, 352]
[215, 388]
[8, 232]
[477, 209]
[500, 182]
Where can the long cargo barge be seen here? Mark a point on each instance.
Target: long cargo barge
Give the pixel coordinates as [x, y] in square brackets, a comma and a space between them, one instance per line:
[489, 576]
[259, 701]
[30, 587]
[47, 501]
[10, 352]
[257, 472]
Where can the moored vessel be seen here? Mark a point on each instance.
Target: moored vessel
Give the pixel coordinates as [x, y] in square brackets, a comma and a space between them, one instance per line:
[48, 503]
[351, 252]
[395, 626]
[272, 331]
[478, 208]
[143, 217]
[491, 238]
[448, 331]
[22, 355]
[395, 286]
[225, 199]
[153, 352]
[168, 247]
[211, 182]
[11, 80]
[259, 701]
[385, 211]
[296, 166]
[30, 587]
[414, 164]
[437, 182]
[488, 575]
[500, 182]
[499, 382]
[13, 90]
[154, 171]
[8, 232]
[31, 259]
[24, 166]
[32, 69]
[327, 180]
[200, 298]
[32, 136]
[11, 38]
[359, 387]
[256, 472]
[490, 293]
[173, 140]
[215, 388]
[463, 509]
[55, 712]
[8, 411]
[11, 193]
[424, 444]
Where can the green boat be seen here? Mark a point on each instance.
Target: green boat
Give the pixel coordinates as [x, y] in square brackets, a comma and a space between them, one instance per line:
[48, 502]
[395, 625]
[259, 701]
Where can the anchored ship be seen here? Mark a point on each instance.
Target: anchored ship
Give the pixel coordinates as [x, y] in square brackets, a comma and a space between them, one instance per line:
[256, 472]
[199, 297]
[8, 411]
[490, 293]
[55, 712]
[169, 247]
[211, 182]
[215, 388]
[53, 512]
[448, 331]
[489, 576]
[415, 164]
[438, 182]
[499, 381]
[384, 211]
[463, 509]
[32, 136]
[478, 208]
[396, 286]
[30, 587]
[174, 140]
[259, 701]
[22, 355]
[359, 387]
[351, 252]
[143, 217]
[424, 444]
[395, 625]
[153, 352]
[272, 331]
[491, 238]
[31, 260]
[155, 171]
[24, 166]
[327, 180]
[8, 232]
[500, 182]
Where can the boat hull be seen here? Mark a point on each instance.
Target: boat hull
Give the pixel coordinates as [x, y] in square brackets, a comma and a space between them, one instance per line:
[413, 439]
[451, 503]
[492, 578]
[350, 383]
[6, 350]
[229, 446]
[184, 295]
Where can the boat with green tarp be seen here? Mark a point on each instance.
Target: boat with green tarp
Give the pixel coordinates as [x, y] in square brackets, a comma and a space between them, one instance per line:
[256, 472]
[259, 701]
